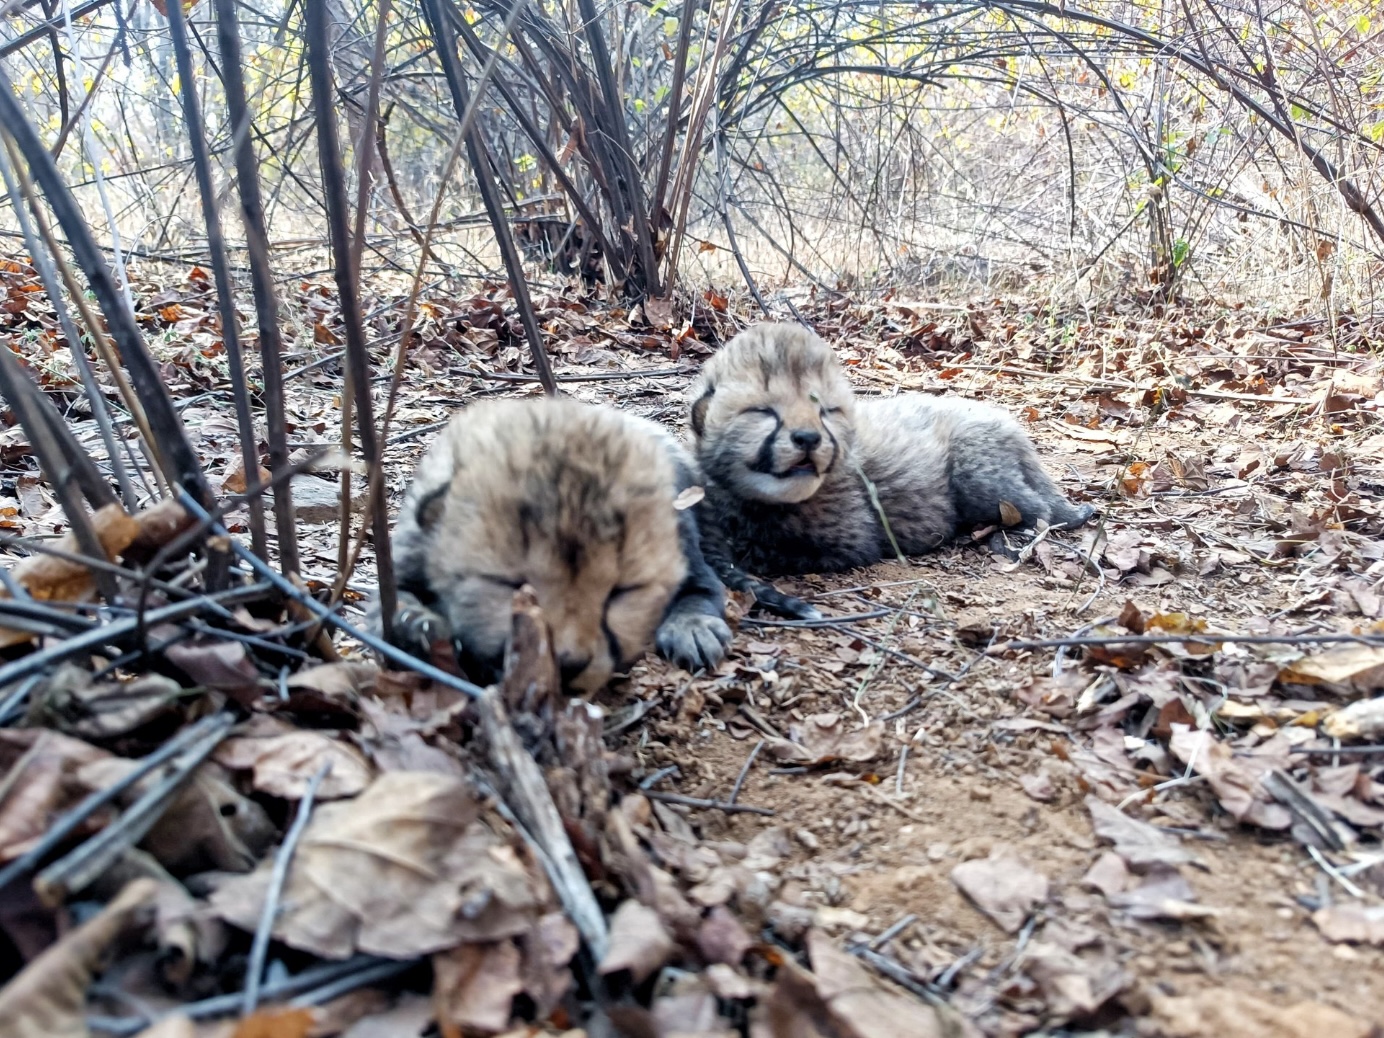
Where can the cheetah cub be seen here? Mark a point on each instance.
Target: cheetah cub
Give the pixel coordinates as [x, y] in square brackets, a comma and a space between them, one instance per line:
[784, 443]
[577, 501]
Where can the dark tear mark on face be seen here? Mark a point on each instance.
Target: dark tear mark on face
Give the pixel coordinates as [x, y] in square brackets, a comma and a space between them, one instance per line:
[430, 508]
[528, 518]
[573, 554]
[764, 461]
[699, 410]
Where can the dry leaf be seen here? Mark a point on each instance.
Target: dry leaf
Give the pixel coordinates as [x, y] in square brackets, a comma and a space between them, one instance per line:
[1140, 844]
[1163, 894]
[47, 999]
[284, 764]
[69, 702]
[49, 578]
[1353, 922]
[37, 783]
[1004, 889]
[1072, 986]
[721, 938]
[1359, 667]
[1363, 719]
[405, 869]
[474, 987]
[408, 1019]
[219, 664]
[859, 1006]
[276, 1023]
[827, 737]
[1235, 780]
[1009, 515]
[638, 941]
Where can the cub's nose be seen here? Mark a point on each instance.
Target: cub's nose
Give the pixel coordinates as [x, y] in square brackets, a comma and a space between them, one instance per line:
[571, 667]
[806, 439]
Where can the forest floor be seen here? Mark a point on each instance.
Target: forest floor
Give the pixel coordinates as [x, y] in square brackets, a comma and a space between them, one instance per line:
[1116, 836]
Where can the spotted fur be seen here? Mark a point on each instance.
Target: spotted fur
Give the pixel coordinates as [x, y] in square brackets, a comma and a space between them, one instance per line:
[785, 442]
[576, 501]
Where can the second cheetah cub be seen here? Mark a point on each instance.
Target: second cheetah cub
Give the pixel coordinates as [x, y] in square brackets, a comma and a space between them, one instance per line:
[784, 443]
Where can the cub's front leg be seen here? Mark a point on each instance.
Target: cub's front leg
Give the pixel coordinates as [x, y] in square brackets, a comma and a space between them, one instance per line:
[694, 634]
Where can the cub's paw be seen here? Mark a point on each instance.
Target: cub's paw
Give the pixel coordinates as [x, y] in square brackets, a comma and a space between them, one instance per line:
[693, 641]
[786, 606]
[417, 630]
[1078, 515]
[1009, 543]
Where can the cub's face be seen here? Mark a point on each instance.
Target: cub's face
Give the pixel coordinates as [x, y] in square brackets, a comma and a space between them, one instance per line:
[772, 414]
[580, 513]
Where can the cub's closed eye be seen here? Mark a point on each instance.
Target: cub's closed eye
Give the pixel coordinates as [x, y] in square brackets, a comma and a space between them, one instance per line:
[494, 578]
[831, 410]
[761, 410]
[625, 589]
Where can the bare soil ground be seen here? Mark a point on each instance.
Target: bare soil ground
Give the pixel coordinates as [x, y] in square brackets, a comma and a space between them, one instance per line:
[922, 766]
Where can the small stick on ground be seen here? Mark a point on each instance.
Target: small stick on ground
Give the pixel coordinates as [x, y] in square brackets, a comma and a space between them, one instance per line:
[259, 949]
[744, 772]
[898, 777]
[649, 781]
[893, 931]
[1191, 639]
[826, 621]
[709, 805]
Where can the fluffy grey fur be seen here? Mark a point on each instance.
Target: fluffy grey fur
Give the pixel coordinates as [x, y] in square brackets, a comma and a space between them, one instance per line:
[784, 443]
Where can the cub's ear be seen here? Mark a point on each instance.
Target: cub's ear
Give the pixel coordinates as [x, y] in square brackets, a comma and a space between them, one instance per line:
[430, 509]
[699, 410]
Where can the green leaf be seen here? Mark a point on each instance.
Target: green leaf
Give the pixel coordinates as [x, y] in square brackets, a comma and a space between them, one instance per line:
[1180, 250]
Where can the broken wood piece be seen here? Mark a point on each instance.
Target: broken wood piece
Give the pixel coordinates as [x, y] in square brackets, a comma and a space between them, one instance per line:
[531, 681]
[524, 791]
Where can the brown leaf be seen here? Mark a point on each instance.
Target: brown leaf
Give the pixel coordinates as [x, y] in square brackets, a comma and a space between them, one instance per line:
[47, 999]
[826, 737]
[1164, 894]
[276, 1023]
[49, 578]
[284, 764]
[1004, 889]
[638, 941]
[1358, 667]
[1140, 844]
[1353, 922]
[1009, 515]
[405, 869]
[218, 664]
[1071, 985]
[1235, 780]
[39, 768]
[721, 938]
[474, 987]
[548, 950]
[69, 702]
[1363, 719]
[856, 1004]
